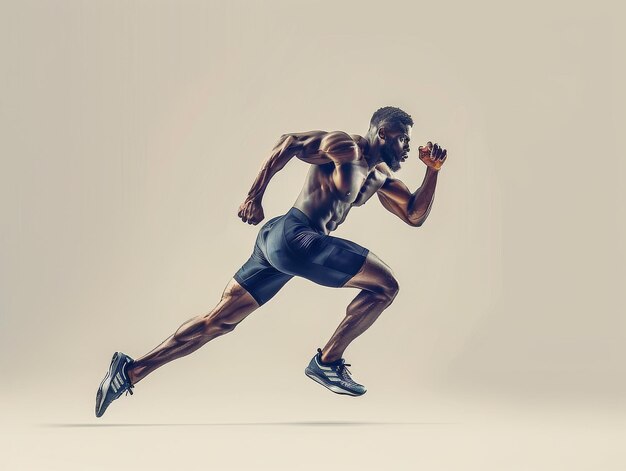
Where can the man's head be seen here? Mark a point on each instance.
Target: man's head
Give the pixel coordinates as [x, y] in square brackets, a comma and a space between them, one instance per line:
[391, 127]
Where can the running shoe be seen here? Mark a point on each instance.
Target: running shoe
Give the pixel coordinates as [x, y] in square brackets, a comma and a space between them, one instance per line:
[334, 376]
[115, 383]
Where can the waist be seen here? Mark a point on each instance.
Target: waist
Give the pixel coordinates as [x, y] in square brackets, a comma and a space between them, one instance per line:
[300, 216]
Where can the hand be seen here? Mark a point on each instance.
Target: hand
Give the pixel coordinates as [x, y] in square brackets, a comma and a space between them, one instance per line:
[251, 211]
[433, 156]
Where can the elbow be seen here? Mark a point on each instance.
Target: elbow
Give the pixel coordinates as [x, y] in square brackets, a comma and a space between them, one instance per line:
[416, 223]
[418, 218]
[285, 142]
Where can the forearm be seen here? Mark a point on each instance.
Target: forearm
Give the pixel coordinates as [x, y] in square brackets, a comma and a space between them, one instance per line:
[276, 161]
[421, 201]
[268, 170]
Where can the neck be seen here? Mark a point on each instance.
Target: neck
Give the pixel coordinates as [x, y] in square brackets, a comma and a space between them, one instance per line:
[372, 152]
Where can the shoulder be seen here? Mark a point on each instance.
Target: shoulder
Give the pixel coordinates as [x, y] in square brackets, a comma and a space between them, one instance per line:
[324, 140]
[302, 139]
[320, 141]
[339, 146]
[387, 176]
[336, 138]
[384, 169]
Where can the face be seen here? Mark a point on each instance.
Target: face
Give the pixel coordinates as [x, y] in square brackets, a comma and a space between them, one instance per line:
[395, 147]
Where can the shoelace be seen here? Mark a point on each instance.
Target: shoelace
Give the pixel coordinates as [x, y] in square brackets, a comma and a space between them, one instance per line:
[130, 386]
[343, 368]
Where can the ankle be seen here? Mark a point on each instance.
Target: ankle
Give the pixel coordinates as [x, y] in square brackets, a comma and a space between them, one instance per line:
[328, 359]
[132, 375]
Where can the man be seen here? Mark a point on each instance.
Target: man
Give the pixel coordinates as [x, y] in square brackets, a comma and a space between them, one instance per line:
[346, 171]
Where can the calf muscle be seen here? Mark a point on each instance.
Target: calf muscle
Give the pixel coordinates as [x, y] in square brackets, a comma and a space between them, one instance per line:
[235, 305]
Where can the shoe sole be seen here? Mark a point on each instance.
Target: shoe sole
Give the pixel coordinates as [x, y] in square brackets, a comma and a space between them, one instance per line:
[331, 387]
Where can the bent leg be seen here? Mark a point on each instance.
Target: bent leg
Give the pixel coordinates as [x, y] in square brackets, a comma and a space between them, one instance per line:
[235, 305]
[378, 287]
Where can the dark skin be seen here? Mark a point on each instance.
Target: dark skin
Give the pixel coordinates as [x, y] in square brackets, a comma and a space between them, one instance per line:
[346, 171]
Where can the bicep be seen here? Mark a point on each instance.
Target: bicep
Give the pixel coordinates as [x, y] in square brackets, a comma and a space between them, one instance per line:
[295, 145]
[396, 191]
[395, 196]
[318, 147]
[393, 207]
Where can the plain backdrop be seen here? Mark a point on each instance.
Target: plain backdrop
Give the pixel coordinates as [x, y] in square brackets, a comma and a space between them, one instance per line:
[132, 130]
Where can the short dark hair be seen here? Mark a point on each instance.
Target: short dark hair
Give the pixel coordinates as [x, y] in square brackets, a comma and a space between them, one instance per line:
[392, 116]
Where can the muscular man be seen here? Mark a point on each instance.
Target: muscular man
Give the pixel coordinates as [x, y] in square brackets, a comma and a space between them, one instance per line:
[345, 171]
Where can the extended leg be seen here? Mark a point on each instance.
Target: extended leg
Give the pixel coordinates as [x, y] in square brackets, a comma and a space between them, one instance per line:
[378, 289]
[236, 304]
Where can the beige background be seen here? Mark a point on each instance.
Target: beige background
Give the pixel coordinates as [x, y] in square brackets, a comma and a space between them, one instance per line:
[132, 130]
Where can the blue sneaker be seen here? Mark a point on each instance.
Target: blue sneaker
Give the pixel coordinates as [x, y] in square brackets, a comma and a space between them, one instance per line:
[334, 376]
[114, 384]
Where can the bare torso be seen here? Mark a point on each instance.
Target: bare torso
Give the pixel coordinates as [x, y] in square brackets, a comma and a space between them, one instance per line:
[347, 170]
[330, 190]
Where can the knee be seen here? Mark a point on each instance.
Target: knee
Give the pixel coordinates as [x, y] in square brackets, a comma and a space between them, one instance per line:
[392, 288]
[232, 291]
[388, 288]
[225, 317]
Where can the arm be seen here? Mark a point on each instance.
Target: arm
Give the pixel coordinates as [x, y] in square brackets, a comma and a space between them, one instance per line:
[315, 147]
[413, 208]
[340, 148]
[250, 210]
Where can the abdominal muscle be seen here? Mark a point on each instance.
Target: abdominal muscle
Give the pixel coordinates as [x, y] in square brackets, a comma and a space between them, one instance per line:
[319, 199]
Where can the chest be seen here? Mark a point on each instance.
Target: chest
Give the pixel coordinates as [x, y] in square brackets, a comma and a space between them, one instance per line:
[370, 186]
[349, 179]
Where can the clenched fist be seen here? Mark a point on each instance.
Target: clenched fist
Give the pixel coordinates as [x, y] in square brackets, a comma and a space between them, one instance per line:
[433, 156]
[251, 211]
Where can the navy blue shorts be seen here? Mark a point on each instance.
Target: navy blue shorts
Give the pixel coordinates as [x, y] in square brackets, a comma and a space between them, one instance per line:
[289, 246]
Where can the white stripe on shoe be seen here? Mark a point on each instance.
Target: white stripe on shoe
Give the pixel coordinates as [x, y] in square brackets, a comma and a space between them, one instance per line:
[325, 368]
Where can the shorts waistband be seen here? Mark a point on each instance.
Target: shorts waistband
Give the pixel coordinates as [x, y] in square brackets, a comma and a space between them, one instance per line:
[296, 213]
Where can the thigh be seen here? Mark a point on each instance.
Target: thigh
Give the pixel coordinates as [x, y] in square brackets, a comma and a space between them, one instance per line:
[342, 260]
[323, 259]
[257, 276]
[260, 280]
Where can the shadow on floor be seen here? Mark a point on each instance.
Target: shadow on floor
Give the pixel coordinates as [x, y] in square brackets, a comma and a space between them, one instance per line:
[257, 424]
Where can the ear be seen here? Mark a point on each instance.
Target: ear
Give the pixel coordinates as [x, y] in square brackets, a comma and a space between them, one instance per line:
[382, 132]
